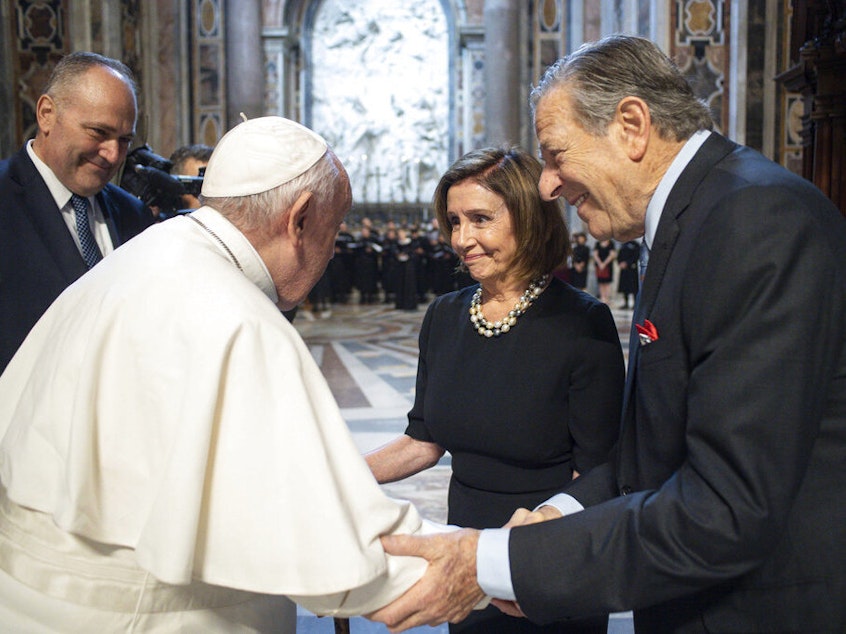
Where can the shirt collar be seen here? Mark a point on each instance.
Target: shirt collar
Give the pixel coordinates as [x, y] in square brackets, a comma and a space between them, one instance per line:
[234, 244]
[60, 193]
[659, 198]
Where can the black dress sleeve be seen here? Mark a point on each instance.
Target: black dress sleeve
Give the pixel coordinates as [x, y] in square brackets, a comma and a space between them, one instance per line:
[416, 420]
[596, 390]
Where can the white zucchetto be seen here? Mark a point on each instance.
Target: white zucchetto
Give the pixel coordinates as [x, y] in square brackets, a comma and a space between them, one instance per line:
[259, 154]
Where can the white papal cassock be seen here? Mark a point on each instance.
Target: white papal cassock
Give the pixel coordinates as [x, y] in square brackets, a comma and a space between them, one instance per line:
[173, 459]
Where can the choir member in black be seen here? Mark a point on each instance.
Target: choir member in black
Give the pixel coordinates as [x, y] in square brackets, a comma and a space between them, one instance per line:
[579, 261]
[421, 250]
[320, 296]
[366, 266]
[388, 270]
[341, 266]
[368, 224]
[404, 271]
[520, 377]
[442, 264]
[627, 285]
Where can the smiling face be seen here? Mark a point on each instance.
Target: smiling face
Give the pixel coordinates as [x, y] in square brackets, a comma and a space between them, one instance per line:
[593, 173]
[482, 232]
[85, 130]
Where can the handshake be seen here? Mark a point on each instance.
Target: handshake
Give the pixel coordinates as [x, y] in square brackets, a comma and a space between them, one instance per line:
[449, 590]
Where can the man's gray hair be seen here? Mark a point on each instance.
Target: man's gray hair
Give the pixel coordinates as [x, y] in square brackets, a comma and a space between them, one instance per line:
[600, 74]
[253, 213]
[72, 66]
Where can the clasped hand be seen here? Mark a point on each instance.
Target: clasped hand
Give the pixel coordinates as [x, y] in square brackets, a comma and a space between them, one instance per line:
[448, 591]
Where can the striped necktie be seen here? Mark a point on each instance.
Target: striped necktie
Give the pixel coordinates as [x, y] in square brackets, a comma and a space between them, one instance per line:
[90, 250]
[643, 260]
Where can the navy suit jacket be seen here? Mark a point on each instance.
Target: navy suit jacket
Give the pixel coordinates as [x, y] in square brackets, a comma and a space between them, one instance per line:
[723, 508]
[38, 256]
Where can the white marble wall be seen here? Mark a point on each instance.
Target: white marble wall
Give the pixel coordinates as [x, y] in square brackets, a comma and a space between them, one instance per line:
[380, 94]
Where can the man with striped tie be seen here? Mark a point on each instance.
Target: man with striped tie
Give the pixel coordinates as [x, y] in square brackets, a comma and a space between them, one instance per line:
[59, 215]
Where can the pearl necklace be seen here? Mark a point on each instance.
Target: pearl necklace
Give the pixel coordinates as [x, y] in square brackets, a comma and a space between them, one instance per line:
[495, 329]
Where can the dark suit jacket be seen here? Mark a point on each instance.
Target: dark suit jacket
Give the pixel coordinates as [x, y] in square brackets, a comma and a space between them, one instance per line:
[38, 257]
[724, 509]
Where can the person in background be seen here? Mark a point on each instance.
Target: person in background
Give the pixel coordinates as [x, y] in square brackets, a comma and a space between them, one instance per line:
[366, 266]
[723, 507]
[443, 261]
[59, 214]
[604, 255]
[421, 252]
[373, 231]
[189, 160]
[342, 265]
[627, 284]
[389, 264]
[196, 476]
[520, 377]
[579, 259]
[404, 265]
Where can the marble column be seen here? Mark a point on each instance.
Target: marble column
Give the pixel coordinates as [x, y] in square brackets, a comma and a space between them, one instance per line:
[503, 103]
[244, 61]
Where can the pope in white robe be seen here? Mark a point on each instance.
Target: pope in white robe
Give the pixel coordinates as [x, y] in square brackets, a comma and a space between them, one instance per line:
[172, 458]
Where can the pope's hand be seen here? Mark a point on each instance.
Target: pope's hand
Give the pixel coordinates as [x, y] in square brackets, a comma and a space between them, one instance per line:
[448, 590]
[522, 517]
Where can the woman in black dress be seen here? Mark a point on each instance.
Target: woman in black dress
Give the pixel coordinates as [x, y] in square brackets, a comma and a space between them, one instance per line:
[580, 259]
[627, 262]
[604, 255]
[519, 377]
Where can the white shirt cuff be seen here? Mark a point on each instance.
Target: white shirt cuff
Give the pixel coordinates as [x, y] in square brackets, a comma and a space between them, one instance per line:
[566, 504]
[493, 567]
[428, 527]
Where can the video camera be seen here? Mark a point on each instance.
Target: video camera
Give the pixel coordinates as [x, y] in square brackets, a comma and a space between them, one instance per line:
[147, 176]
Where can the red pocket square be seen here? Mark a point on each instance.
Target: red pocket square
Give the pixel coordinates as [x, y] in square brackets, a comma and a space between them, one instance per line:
[647, 333]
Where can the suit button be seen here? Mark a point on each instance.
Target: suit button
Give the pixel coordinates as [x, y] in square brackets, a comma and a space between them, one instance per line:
[625, 490]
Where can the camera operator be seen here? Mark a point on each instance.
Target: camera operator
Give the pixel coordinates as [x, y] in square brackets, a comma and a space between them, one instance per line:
[59, 215]
[190, 160]
[153, 179]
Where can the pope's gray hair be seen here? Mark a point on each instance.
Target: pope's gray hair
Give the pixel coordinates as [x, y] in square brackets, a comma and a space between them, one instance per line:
[598, 75]
[254, 213]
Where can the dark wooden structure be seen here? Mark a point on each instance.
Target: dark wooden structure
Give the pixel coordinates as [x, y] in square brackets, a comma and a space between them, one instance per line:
[818, 72]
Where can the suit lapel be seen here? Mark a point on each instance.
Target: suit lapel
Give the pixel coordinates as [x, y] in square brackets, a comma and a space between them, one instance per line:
[659, 256]
[669, 228]
[46, 218]
[104, 200]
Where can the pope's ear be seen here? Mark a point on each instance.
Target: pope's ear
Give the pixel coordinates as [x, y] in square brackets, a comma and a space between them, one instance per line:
[299, 215]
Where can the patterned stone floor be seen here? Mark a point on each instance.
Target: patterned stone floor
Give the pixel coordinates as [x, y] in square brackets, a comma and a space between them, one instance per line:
[369, 357]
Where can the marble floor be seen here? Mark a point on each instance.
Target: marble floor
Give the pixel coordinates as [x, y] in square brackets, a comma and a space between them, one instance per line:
[369, 357]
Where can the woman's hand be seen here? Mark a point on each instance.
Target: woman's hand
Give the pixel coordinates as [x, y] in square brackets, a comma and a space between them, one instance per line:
[523, 517]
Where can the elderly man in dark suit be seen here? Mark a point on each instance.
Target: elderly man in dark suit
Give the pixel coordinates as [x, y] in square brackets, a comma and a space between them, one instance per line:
[723, 507]
[58, 213]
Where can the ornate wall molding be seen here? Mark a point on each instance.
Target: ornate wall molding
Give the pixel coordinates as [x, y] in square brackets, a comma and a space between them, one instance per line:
[209, 70]
[700, 47]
